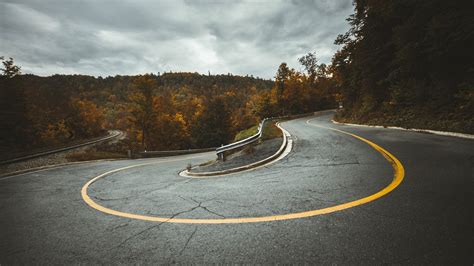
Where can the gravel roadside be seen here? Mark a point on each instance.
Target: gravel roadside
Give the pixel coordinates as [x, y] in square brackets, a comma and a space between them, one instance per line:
[52, 159]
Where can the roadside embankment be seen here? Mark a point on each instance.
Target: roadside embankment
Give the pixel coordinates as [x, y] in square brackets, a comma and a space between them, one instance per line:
[251, 154]
[272, 143]
[96, 150]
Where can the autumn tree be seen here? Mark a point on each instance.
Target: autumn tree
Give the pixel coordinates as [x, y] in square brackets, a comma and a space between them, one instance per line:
[141, 105]
[88, 118]
[262, 105]
[213, 126]
[169, 132]
[13, 118]
[9, 68]
[281, 78]
[322, 71]
[310, 63]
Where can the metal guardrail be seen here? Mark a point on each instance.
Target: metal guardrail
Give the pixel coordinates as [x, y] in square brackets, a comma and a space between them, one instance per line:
[235, 145]
[219, 151]
[238, 144]
[112, 134]
[283, 148]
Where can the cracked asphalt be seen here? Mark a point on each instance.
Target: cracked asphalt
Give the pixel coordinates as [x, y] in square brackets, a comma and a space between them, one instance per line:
[428, 219]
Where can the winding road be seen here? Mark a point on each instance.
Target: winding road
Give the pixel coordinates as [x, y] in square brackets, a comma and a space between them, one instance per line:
[142, 211]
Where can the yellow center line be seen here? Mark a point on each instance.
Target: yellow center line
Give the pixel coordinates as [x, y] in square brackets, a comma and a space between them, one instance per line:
[399, 173]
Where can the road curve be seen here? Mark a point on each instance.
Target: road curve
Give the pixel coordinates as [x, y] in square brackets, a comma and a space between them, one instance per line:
[427, 218]
[112, 134]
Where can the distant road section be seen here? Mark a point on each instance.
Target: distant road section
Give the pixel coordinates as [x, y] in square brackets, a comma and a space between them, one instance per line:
[111, 135]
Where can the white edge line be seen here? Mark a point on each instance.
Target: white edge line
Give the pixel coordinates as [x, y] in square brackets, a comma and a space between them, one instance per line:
[435, 132]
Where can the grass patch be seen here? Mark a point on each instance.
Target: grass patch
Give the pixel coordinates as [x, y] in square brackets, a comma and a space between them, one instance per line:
[207, 163]
[271, 131]
[93, 155]
[246, 133]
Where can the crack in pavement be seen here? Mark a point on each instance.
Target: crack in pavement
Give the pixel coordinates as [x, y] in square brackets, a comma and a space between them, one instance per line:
[118, 226]
[172, 217]
[138, 194]
[135, 235]
[213, 212]
[151, 227]
[167, 186]
[112, 199]
[199, 203]
[187, 241]
[15, 252]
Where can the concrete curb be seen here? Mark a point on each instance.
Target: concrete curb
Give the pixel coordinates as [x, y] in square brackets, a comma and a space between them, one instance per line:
[155, 154]
[284, 150]
[435, 132]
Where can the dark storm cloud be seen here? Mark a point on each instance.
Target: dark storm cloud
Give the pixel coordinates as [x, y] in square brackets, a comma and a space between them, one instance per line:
[129, 37]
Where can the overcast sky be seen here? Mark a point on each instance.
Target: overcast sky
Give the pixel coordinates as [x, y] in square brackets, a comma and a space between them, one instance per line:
[104, 38]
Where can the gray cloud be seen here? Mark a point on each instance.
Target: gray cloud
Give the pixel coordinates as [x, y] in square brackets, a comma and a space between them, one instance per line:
[130, 37]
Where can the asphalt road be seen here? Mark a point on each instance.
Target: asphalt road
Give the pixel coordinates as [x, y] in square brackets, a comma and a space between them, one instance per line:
[427, 219]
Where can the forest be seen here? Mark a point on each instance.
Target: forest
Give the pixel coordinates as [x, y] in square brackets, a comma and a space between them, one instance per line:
[408, 63]
[166, 111]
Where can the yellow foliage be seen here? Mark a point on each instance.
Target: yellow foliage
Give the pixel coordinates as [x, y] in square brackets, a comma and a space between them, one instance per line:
[90, 115]
[55, 133]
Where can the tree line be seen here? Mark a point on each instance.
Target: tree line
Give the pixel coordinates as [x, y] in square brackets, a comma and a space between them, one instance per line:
[157, 111]
[408, 63]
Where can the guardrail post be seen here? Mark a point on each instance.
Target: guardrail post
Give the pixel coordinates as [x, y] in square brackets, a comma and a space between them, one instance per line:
[221, 156]
[129, 154]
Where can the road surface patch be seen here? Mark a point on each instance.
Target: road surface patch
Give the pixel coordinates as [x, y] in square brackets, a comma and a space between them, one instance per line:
[399, 173]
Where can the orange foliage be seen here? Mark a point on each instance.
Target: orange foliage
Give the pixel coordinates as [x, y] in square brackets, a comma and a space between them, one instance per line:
[56, 133]
[91, 117]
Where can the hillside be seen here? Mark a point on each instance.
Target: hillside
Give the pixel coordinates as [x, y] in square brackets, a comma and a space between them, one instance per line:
[181, 108]
[408, 63]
